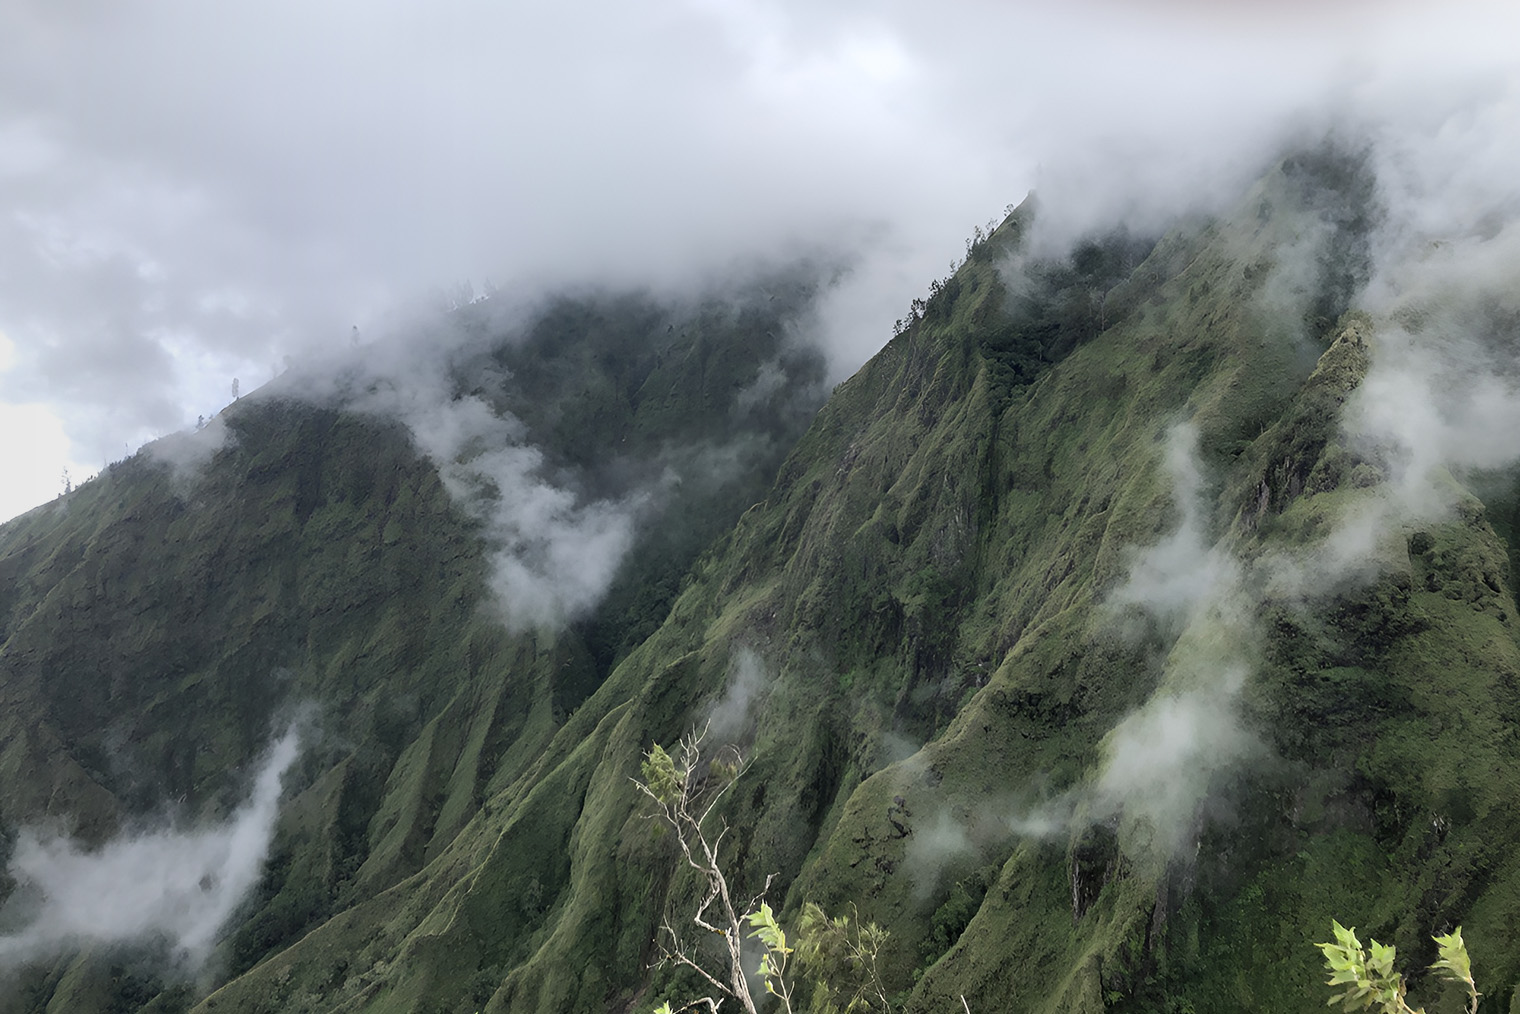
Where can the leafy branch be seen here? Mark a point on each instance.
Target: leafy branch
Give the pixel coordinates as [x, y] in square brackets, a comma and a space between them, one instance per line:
[687, 797]
[840, 954]
[773, 962]
[1369, 981]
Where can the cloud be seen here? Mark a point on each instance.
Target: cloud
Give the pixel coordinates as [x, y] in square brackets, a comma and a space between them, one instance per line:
[192, 195]
[1438, 404]
[554, 554]
[556, 557]
[1163, 760]
[35, 466]
[554, 550]
[176, 885]
[747, 680]
[188, 452]
[1435, 399]
[1184, 572]
[934, 844]
[1440, 400]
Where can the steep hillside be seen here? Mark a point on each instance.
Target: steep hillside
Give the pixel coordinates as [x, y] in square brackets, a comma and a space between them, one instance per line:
[162, 623]
[1076, 642]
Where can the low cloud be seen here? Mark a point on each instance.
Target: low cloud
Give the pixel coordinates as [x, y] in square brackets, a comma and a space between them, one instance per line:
[1432, 402]
[556, 533]
[175, 886]
[936, 843]
[188, 452]
[1184, 572]
[729, 718]
[1440, 402]
[1163, 760]
[554, 554]
[1438, 406]
[165, 238]
[554, 551]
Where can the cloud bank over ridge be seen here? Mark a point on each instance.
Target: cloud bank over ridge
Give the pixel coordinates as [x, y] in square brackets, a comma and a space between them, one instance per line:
[193, 194]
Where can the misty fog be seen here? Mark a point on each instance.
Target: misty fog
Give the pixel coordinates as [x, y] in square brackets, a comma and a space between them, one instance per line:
[171, 885]
[194, 194]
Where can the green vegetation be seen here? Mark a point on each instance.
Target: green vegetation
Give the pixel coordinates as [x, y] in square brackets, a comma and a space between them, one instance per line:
[687, 791]
[911, 593]
[155, 626]
[840, 957]
[1368, 977]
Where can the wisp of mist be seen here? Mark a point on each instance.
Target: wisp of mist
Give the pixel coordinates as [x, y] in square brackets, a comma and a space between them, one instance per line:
[172, 886]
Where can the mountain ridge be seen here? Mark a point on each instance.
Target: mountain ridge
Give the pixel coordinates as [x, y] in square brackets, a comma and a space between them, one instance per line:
[933, 637]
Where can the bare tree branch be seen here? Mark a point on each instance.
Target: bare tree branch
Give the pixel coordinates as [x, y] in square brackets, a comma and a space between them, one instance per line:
[687, 800]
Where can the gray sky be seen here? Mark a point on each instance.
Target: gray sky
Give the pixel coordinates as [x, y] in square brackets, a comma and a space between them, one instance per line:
[192, 192]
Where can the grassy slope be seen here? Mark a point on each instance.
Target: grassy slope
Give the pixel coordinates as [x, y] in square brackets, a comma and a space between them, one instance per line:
[926, 570]
[920, 544]
[154, 630]
[926, 566]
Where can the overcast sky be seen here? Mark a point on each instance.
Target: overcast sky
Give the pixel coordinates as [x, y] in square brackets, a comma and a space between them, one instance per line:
[191, 192]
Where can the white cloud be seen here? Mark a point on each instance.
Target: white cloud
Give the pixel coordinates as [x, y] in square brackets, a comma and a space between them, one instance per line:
[188, 452]
[747, 680]
[34, 454]
[193, 193]
[1184, 573]
[172, 884]
[554, 551]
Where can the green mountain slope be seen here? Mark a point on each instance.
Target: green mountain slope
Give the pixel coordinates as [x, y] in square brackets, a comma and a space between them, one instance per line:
[1038, 645]
[159, 626]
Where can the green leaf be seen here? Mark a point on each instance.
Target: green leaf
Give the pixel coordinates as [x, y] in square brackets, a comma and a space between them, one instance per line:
[1347, 937]
[768, 930]
[1453, 958]
[1381, 963]
[660, 776]
[1365, 975]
